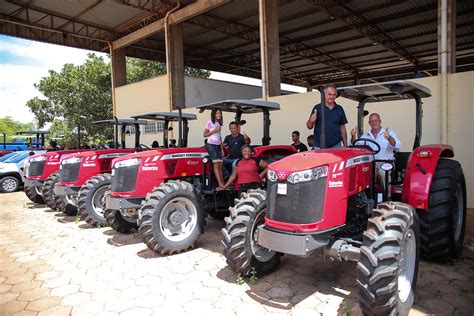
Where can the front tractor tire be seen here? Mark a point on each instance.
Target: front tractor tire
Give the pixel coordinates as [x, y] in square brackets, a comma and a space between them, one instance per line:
[241, 250]
[117, 222]
[48, 188]
[388, 264]
[34, 195]
[65, 205]
[172, 218]
[91, 200]
[442, 226]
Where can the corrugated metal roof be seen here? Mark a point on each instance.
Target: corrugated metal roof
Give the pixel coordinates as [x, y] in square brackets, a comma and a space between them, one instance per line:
[317, 42]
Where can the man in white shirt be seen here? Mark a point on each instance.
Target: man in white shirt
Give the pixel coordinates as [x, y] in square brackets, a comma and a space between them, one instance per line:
[386, 138]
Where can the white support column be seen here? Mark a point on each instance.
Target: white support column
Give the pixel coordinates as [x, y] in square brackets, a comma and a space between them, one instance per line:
[175, 66]
[269, 48]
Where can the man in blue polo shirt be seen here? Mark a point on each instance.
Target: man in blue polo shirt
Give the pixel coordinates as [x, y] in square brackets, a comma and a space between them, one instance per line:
[335, 121]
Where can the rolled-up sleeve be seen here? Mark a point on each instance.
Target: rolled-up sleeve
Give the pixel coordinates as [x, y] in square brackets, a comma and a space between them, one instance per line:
[398, 144]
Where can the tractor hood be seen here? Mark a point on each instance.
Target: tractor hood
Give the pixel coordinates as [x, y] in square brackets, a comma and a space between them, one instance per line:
[315, 158]
[165, 153]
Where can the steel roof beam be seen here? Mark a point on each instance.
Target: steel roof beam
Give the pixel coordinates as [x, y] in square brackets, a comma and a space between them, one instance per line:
[370, 30]
[179, 16]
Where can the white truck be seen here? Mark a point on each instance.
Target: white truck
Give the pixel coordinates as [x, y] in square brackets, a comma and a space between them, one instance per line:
[11, 169]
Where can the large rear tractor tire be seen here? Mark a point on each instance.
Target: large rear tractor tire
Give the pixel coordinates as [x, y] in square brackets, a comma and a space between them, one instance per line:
[34, 195]
[172, 218]
[388, 264]
[91, 201]
[241, 250]
[118, 223]
[442, 226]
[48, 194]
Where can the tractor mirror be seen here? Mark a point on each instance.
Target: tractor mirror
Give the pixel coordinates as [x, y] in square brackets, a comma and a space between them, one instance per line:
[242, 122]
[366, 113]
[170, 128]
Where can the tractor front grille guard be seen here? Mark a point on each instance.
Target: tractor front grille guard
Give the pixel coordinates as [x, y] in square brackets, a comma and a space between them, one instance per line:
[36, 168]
[69, 172]
[125, 179]
[302, 204]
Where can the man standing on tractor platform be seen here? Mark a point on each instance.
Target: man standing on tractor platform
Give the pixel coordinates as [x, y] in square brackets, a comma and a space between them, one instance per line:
[386, 138]
[335, 121]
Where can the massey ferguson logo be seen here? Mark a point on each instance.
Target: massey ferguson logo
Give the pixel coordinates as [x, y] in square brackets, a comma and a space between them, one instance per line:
[281, 175]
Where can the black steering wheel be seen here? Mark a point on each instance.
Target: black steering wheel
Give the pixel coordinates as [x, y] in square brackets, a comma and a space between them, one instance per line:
[144, 146]
[367, 140]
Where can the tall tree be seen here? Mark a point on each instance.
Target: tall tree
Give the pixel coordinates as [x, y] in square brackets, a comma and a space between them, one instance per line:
[82, 94]
[9, 127]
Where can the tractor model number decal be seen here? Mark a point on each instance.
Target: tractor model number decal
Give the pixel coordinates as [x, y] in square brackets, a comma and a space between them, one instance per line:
[192, 163]
[335, 175]
[335, 184]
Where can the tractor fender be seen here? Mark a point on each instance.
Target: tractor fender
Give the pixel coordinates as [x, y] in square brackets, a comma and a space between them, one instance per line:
[419, 173]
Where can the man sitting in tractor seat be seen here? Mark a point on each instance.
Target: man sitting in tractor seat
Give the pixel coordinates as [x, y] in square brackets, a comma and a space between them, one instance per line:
[246, 172]
[387, 140]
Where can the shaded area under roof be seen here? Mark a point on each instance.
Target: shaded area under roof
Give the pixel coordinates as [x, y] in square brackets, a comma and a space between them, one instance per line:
[320, 41]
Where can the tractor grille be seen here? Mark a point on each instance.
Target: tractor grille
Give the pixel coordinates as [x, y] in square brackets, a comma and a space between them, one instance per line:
[303, 203]
[36, 168]
[69, 172]
[125, 179]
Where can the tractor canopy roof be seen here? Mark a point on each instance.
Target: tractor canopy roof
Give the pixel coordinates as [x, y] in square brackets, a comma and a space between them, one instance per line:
[120, 122]
[384, 91]
[165, 116]
[32, 132]
[241, 105]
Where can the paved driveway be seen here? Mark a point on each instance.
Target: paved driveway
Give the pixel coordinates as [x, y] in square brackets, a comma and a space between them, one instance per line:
[50, 265]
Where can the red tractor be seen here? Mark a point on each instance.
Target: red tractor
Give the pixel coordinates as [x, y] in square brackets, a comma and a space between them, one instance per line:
[41, 174]
[171, 190]
[327, 200]
[125, 198]
[85, 177]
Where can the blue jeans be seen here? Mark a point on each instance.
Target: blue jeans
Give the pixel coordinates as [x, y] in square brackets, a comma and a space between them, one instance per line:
[338, 145]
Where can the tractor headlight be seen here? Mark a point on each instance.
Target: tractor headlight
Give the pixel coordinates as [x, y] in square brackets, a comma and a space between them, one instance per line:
[39, 158]
[308, 175]
[71, 160]
[127, 163]
[271, 175]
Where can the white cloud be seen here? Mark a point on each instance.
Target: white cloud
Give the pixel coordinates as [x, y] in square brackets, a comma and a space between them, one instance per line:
[28, 62]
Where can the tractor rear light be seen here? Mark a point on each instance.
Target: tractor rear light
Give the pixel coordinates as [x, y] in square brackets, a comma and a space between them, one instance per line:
[308, 175]
[127, 163]
[71, 160]
[424, 154]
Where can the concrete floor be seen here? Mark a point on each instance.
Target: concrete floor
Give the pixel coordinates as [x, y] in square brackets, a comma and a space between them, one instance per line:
[51, 265]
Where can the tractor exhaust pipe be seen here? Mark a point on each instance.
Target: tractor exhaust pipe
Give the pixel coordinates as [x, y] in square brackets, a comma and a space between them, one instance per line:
[340, 250]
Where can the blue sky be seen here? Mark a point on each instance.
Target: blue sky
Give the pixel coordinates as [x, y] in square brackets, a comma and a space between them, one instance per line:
[25, 62]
